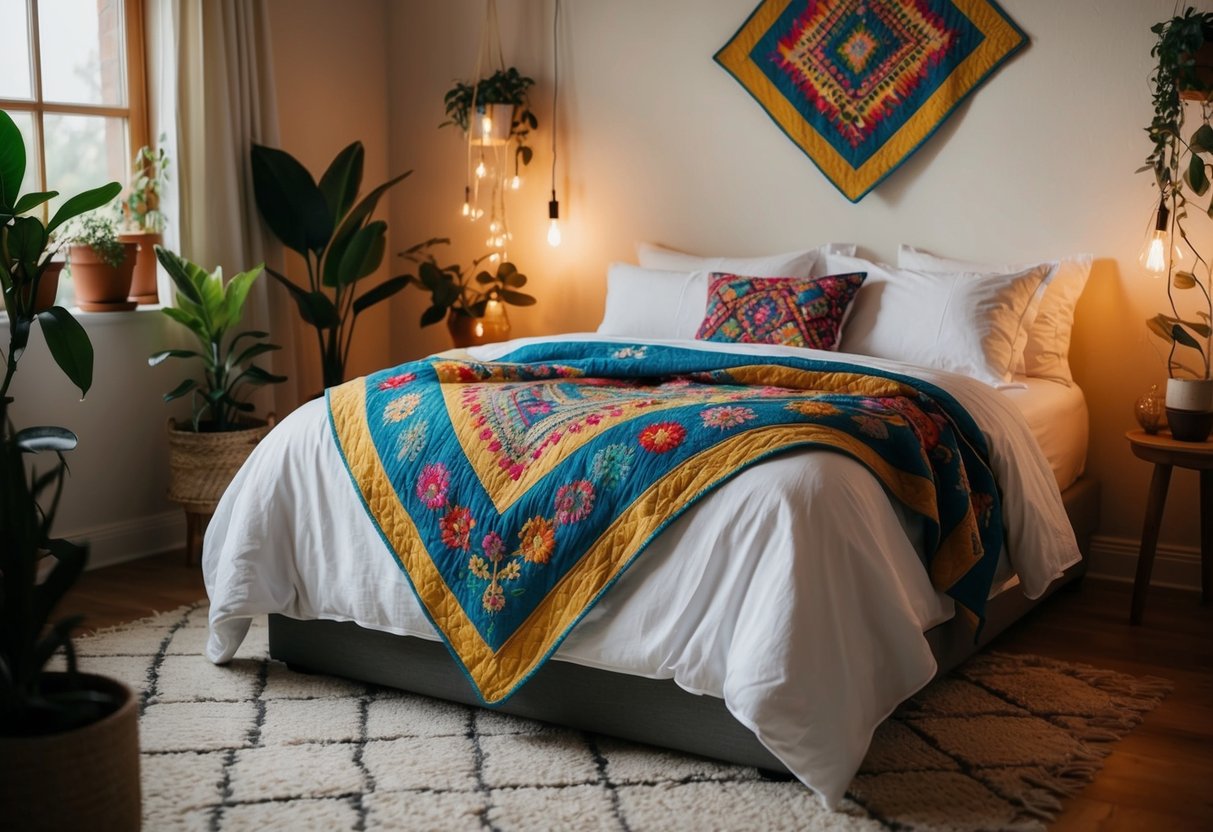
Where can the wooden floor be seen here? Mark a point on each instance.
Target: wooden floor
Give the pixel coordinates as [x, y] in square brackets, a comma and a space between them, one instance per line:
[1160, 777]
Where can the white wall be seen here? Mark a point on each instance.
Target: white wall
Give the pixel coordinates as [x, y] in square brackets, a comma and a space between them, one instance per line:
[658, 142]
[114, 496]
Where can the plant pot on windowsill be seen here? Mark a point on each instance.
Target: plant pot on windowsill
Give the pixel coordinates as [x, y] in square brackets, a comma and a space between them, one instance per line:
[82, 778]
[101, 287]
[143, 278]
[48, 286]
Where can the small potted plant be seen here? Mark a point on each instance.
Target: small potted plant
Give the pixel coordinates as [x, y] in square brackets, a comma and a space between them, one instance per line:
[502, 109]
[144, 221]
[206, 452]
[101, 264]
[472, 302]
[1181, 164]
[69, 741]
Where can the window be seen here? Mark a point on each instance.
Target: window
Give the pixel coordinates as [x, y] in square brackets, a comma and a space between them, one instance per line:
[75, 86]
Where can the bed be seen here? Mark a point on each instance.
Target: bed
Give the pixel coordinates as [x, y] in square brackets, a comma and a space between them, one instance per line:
[786, 661]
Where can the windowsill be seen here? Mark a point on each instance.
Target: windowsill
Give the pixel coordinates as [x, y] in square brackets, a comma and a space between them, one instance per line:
[91, 320]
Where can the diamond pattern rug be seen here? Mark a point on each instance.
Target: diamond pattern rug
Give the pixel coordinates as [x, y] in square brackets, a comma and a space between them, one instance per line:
[859, 85]
[254, 746]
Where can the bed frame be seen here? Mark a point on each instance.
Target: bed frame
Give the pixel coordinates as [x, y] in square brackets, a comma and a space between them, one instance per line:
[604, 702]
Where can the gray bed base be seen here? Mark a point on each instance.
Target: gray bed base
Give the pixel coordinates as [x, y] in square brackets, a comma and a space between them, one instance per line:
[652, 711]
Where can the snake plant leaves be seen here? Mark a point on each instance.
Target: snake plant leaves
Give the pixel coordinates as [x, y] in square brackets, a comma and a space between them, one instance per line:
[69, 346]
[290, 201]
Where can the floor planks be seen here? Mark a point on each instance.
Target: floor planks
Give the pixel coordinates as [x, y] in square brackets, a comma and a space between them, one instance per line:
[1159, 777]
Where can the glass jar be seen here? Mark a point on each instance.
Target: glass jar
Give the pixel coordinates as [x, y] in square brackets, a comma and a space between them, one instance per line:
[1151, 411]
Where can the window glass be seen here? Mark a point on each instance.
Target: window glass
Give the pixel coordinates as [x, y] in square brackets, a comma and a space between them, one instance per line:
[82, 52]
[83, 152]
[14, 56]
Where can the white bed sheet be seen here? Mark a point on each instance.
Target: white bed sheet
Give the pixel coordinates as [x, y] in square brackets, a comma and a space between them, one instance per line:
[793, 591]
[1056, 414]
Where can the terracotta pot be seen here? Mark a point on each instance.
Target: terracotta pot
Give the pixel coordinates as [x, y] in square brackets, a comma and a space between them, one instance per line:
[86, 778]
[143, 279]
[467, 331]
[1203, 70]
[48, 286]
[101, 287]
[202, 465]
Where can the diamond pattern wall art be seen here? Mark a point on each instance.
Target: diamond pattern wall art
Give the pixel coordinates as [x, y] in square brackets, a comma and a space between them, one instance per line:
[859, 85]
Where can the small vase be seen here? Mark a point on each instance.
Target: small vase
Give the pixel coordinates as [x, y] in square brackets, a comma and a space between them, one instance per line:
[1150, 411]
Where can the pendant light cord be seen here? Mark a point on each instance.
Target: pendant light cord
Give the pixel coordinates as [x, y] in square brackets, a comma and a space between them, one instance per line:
[555, 88]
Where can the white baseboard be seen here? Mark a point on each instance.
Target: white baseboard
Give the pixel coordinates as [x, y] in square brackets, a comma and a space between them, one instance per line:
[130, 539]
[1116, 558]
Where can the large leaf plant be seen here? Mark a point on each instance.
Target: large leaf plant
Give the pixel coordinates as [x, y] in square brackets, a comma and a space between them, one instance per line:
[209, 309]
[333, 231]
[1181, 165]
[36, 570]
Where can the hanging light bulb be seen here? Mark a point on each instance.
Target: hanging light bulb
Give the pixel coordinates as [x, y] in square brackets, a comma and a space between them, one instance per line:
[481, 170]
[553, 221]
[486, 126]
[516, 182]
[494, 257]
[1157, 253]
[467, 202]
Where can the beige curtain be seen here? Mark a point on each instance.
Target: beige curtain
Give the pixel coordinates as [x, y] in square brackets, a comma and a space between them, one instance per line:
[213, 96]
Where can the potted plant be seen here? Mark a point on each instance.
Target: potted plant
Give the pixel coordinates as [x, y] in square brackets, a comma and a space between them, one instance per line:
[206, 452]
[144, 221]
[502, 107]
[1181, 162]
[101, 264]
[336, 237]
[472, 302]
[69, 741]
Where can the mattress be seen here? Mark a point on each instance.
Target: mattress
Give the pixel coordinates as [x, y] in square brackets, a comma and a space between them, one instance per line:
[1056, 414]
[795, 571]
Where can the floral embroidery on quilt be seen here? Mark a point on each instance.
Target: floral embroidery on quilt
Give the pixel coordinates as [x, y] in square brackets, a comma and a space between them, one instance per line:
[514, 493]
[787, 311]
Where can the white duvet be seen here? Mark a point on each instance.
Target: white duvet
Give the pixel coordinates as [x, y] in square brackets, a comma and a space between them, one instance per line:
[795, 591]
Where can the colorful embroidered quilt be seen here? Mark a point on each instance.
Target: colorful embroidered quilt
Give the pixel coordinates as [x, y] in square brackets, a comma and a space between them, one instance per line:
[860, 84]
[514, 493]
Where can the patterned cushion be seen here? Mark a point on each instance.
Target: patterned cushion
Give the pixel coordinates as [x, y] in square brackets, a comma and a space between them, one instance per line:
[778, 310]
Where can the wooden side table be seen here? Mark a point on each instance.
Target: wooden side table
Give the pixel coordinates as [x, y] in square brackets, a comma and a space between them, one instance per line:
[1167, 453]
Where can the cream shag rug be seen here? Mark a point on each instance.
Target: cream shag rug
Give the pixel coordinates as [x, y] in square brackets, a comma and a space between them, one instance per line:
[995, 745]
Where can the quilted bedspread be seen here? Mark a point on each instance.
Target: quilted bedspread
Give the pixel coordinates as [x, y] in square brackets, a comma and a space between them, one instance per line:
[514, 493]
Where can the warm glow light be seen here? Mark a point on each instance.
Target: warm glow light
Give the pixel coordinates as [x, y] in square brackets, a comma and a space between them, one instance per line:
[486, 126]
[516, 182]
[481, 170]
[493, 226]
[479, 329]
[467, 209]
[1154, 254]
[494, 257]
[554, 233]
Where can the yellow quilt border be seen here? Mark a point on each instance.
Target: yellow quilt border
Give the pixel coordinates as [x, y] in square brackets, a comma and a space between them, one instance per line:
[497, 674]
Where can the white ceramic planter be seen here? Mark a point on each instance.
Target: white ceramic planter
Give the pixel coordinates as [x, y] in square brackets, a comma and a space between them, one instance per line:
[1190, 394]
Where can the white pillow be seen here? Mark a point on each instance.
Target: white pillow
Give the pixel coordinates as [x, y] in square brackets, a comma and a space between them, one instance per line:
[1047, 352]
[653, 303]
[790, 264]
[962, 322]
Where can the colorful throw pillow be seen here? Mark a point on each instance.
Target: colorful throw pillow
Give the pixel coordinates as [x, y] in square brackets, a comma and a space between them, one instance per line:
[778, 310]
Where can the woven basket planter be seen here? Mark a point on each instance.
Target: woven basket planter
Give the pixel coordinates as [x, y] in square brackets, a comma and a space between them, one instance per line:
[203, 464]
[86, 778]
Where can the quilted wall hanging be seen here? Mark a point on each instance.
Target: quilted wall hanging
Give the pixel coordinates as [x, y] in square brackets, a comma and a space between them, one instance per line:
[859, 85]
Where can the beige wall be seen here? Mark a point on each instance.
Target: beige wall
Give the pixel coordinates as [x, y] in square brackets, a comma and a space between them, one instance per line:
[331, 75]
[657, 142]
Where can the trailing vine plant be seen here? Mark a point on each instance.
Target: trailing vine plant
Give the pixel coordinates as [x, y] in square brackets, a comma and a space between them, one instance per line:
[1180, 166]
